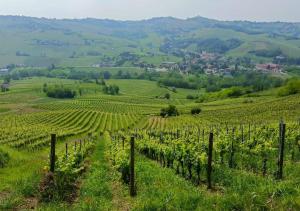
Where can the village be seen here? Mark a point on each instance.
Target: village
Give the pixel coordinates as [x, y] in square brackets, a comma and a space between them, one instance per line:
[215, 64]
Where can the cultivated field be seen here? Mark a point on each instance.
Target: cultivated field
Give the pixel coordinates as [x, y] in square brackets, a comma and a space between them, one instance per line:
[176, 167]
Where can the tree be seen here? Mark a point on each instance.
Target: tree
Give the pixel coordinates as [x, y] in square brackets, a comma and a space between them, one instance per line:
[111, 89]
[195, 111]
[51, 67]
[7, 79]
[292, 87]
[45, 87]
[167, 96]
[106, 75]
[60, 92]
[169, 111]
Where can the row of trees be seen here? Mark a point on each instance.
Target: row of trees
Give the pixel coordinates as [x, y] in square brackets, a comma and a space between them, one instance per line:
[111, 89]
[171, 110]
[59, 91]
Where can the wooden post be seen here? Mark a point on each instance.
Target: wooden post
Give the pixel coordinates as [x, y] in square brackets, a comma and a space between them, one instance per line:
[52, 153]
[66, 150]
[209, 164]
[281, 149]
[227, 128]
[231, 159]
[80, 144]
[264, 165]
[249, 132]
[242, 128]
[132, 182]
[75, 145]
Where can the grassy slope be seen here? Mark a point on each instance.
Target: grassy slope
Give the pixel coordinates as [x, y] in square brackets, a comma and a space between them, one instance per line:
[82, 39]
[95, 190]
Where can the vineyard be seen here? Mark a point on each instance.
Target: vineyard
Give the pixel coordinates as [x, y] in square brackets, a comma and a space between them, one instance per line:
[256, 150]
[32, 131]
[252, 148]
[117, 152]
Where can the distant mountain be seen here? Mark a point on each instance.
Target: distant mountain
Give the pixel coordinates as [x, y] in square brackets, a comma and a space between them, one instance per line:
[68, 42]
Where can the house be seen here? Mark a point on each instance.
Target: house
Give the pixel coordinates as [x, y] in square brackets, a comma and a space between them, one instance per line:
[4, 70]
[269, 68]
[169, 65]
[208, 56]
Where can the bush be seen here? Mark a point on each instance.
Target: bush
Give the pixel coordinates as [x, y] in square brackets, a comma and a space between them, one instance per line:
[248, 101]
[169, 111]
[195, 111]
[111, 89]
[167, 96]
[59, 92]
[4, 158]
[191, 97]
[292, 87]
[235, 92]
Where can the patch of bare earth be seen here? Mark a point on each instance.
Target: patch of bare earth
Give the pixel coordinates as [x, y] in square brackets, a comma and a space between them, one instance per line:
[4, 195]
[28, 204]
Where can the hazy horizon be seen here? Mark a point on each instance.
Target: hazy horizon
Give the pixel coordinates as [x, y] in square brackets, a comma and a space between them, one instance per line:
[260, 11]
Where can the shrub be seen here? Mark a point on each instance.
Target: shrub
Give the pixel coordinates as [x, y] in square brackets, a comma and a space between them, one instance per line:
[111, 89]
[169, 111]
[235, 92]
[292, 87]
[167, 96]
[59, 92]
[201, 99]
[191, 97]
[248, 101]
[195, 111]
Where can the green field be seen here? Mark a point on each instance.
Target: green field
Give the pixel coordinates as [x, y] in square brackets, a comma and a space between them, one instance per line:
[170, 152]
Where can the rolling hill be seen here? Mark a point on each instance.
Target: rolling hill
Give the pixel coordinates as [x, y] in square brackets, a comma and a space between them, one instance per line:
[84, 42]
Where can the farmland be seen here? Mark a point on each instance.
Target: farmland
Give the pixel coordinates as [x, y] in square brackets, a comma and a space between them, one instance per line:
[94, 130]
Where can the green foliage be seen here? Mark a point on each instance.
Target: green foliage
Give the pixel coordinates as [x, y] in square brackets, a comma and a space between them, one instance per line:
[195, 111]
[111, 89]
[292, 87]
[7, 79]
[59, 92]
[235, 92]
[171, 110]
[61, 185]
[191, 97]
[167, 96]
[177, 82]
[119, 151]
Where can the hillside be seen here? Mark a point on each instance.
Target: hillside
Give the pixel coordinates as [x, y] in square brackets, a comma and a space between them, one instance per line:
[84, 42]
[93, 133]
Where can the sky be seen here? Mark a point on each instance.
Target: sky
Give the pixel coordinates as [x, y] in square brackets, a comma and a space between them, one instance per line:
[253, 10]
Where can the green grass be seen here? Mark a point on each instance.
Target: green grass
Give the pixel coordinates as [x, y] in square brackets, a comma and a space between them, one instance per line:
[3, 109]
[95, 189]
